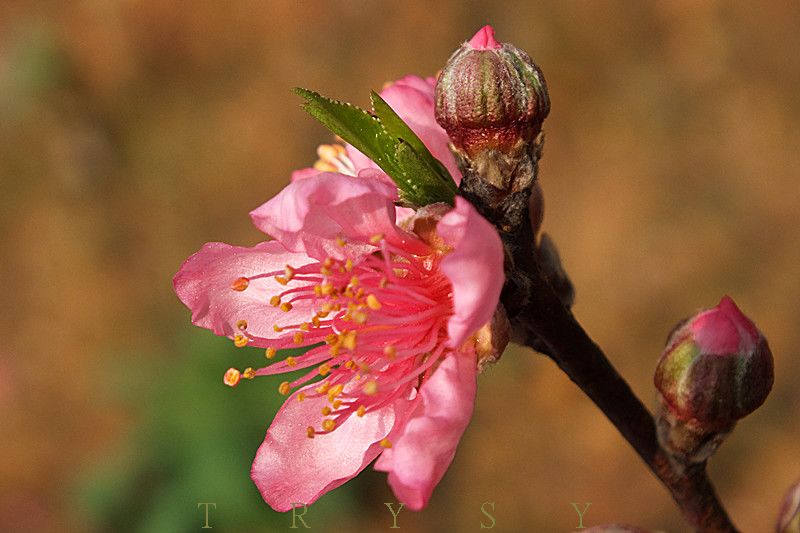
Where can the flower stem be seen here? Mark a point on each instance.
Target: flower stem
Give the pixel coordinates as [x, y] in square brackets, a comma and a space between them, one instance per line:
[546, 320]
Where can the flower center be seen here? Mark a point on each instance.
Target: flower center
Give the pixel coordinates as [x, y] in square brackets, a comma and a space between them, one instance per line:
[377, 327]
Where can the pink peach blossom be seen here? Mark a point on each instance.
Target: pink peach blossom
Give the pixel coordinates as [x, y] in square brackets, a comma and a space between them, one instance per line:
[388, 318]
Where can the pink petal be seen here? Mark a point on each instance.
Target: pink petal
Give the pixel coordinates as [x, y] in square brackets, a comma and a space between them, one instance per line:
[484, 39]
[291, 469]
[474, 267]
[309, 214]
[203, 284]
[304, 173]
[426, 444]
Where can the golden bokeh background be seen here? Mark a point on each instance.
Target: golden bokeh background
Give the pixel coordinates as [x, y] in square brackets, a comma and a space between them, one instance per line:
[132, 132]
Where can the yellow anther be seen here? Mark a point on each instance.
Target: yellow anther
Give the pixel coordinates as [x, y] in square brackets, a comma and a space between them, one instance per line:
[375, 239]
[286, 307]
[269, 353]
[327, 289]
[298, 337]
[325, 271]
[337, 404]
[361, 410]
[328, 424]
[324, 166]
[340, 242]
[283, 280]
[305, 326]
[315, 321]
[301, 396]
[324, 369]
[328, 262]
[348, 265]
[373, 302]
[370, 388]
[321, 314]
[289, 271]
[349, 340]
[331, 338]
[241, 324]
[275, 301]
[277, 328]
[240, 284]
[335, 391]
[383, 282]
[249, 373]
[283, 388]
[310, 432]
[359, 293]
[231, 377]
[317, 290]
[323, 388]
[240, 340]
[350, 365]
[386, 443]
[334, 350]
[354, 281]
[390, 352]
[326, 411]
[291, 361]
[359, 318]
[326, 307]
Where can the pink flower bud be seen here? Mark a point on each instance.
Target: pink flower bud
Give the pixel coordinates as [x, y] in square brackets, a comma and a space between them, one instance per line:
[789, 517]
[490, 95]
[717, 368]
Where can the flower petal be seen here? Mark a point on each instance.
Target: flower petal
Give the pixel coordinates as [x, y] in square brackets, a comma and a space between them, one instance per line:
[291, 469]
[203, 284]
[426, 443]
[310, 213]
[474, 267]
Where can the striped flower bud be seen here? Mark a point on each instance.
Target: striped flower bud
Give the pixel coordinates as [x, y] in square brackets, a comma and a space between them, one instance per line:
[490, 95]
[717, 368]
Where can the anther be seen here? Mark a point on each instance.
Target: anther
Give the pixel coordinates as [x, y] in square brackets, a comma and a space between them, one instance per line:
[240, 284]
[240, 340]
[310, 432]
[328, 424]
[283, 280]
[231, 377]
[375, 239]
[241, 324]
[390, 352]
[337, 404]
[305, 326]
[335, 391]
[323, 388]
[324, 369]
[275, 301]
[373, 302]
[301, 396]
[340, 242]
[349, 340]
[326, 411]
[361, 410]
[249, 373]
[277, 328]
[298, 337]
[386, 443]
[370, 388]
[283, 388]
[291, 361]
[348, 265]
[289, 271]
[286, 307]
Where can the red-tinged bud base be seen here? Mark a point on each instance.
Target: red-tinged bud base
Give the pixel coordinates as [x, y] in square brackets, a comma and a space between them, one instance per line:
[687, 440]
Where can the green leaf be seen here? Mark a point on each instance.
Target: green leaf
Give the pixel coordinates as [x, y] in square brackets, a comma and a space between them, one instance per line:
[354, 125]
[398, 129]
[420, 178]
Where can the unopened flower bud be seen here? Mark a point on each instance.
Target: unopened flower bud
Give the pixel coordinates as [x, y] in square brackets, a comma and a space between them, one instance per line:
[490, 95]
[789, 517]
[717, 368]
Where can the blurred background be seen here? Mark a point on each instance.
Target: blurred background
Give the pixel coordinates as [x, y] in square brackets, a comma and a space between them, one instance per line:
[132, 132]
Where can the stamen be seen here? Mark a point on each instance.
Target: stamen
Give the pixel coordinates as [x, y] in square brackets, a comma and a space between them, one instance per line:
[301, 396]
[386, 443]
[324, 369]
[231, 377]
[370, 388]
[240, 341]
[275, 301]
[340, 242]
[361, 410]
[240, 284]
[283, 388]
[241, 324]
[269, 353]
[286, 307]
[291, 361]
[298, 337]
[326, 411]
[249, 373]
[373, 302]
[310, 432]
[390, 352]
[328, 424]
